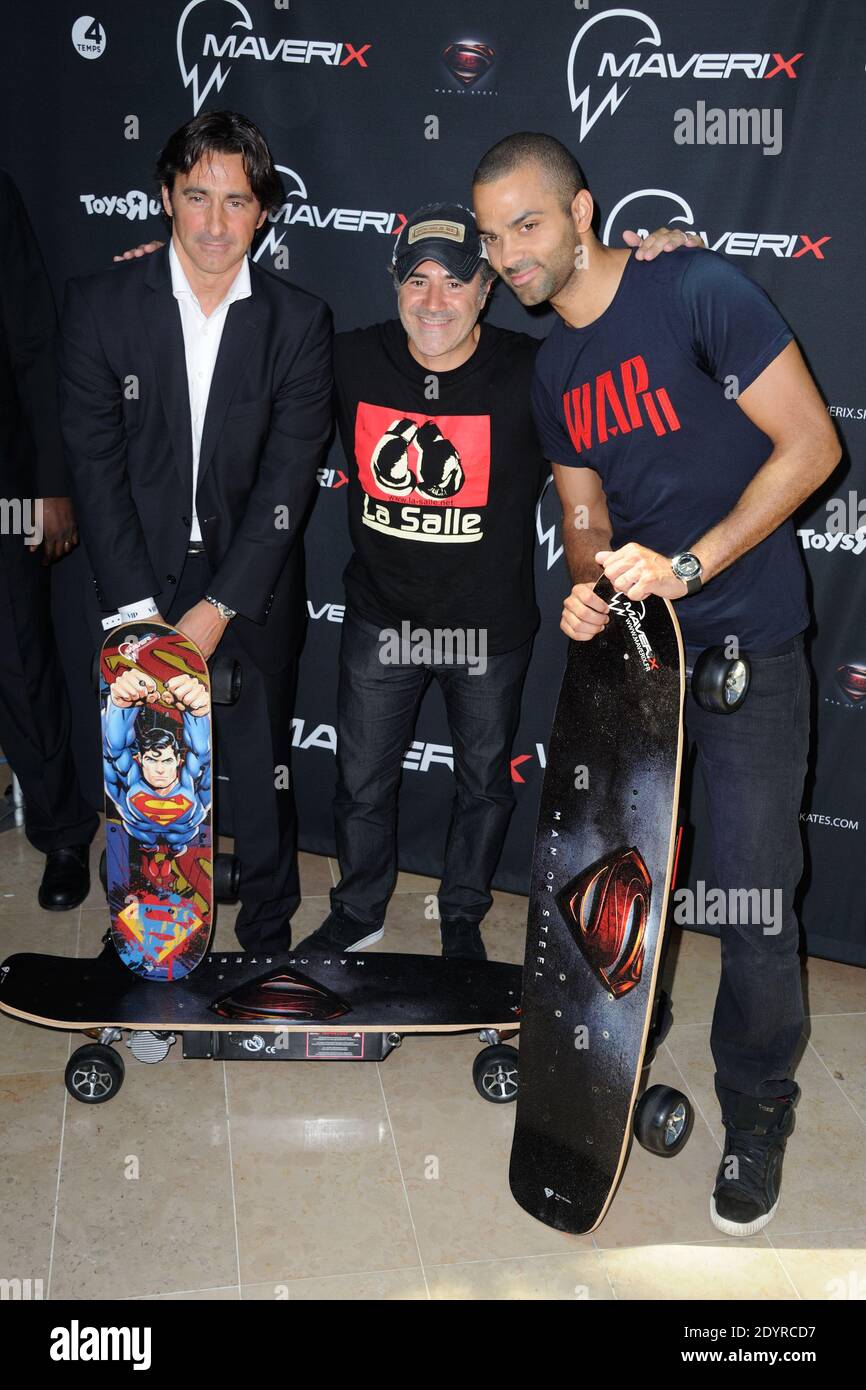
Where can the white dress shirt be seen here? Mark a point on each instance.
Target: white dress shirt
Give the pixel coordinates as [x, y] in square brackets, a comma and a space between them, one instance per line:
[201, 340]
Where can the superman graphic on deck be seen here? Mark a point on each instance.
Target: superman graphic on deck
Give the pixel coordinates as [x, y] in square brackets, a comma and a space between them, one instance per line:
[156, 738]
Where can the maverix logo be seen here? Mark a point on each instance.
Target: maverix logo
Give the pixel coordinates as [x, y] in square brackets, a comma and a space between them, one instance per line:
[595, 412]
[306, 214]
[633, 615]
[223, 42]
[642, 62]
[656, 211]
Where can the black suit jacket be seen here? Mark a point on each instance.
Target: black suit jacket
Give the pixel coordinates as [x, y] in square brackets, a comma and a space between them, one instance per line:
[126, 423]
[31, 452]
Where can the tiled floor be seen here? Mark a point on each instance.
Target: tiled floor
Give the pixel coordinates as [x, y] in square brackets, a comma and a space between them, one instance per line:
[313, 1181]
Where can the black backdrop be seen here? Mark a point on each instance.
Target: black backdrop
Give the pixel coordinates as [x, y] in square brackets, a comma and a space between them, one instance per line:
[367, 120]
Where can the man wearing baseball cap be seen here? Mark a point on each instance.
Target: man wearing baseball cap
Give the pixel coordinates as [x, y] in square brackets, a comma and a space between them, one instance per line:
[434, 410]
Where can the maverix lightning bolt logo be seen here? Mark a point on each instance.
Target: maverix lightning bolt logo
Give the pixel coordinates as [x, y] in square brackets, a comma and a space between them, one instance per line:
[306, 214]
[225, 43]
[634, 614]
[655, 210]
[641, 63]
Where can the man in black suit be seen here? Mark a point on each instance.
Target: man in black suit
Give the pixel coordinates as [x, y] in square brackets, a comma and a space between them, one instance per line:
[34, 711]
[195, 402]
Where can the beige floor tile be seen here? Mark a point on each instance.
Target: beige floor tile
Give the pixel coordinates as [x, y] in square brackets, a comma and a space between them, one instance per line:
[504, 928]
[831, 988]
[840, 1042]
[24, 1047]
[824, 1185]
[543, 1278]
[315, 874]
[31, 1122]
[690, 975]
[21, 874]
[28, 928]
[664, 1200]
[317, 1184]
[824, 1265]
[391, 1285]
[230, 1294]
[170, 1228]
[454, 1149]
[416, 883]
[714, 1271]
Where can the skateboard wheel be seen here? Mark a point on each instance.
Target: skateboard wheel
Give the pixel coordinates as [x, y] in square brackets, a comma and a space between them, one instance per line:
[494, 1072]
[226, 878]
[226, 679]
[663, 1120]
[94, 1074]
[103, 871]
[720, 683]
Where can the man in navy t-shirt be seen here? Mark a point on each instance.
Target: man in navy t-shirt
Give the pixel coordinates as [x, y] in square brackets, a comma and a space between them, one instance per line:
[684, 429]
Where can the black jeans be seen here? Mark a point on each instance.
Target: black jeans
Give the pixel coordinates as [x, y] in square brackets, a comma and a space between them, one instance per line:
[377, 705]
[753, 764]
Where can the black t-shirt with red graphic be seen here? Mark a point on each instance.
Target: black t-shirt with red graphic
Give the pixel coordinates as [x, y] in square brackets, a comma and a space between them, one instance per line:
[447, 471]
[646, 396]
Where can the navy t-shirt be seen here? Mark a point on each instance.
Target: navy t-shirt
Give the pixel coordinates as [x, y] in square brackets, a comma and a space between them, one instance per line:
[646, 396]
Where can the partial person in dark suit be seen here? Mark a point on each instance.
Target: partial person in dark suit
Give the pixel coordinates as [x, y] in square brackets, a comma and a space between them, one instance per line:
[34, 710]
[195, 402]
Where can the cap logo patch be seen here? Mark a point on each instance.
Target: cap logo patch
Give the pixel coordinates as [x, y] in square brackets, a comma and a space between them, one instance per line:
[449, 231]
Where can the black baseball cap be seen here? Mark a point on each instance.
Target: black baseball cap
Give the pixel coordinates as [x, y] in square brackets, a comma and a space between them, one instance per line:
[441, 232]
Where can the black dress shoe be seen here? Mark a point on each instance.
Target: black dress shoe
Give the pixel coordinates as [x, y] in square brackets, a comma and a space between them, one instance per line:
[66, 881]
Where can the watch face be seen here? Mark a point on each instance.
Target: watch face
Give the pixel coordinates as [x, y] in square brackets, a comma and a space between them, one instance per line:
[687, 566]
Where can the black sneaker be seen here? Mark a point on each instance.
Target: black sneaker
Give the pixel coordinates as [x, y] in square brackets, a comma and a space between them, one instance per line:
[743, 1203]
[462, 938]
[339, 933]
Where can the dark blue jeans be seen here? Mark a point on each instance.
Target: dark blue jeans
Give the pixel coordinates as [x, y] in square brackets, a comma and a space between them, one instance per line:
[753, 764]
[377, 705]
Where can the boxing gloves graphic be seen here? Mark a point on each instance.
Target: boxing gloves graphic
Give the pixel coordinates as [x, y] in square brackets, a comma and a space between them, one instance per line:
[390, 459]
[438, 471]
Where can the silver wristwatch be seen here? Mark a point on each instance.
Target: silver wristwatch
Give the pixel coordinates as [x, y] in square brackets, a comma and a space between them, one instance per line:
[688, 568]
[225, 613]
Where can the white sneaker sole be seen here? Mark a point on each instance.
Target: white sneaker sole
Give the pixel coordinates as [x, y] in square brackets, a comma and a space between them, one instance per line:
[740, 1228]
[366, 940]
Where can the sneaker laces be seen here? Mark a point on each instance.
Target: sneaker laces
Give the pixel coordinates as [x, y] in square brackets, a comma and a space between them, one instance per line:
[751, 1152]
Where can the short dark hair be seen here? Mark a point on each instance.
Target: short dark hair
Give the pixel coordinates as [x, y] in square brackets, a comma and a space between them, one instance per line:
[222, 132]
[559, 166]
[154, 739]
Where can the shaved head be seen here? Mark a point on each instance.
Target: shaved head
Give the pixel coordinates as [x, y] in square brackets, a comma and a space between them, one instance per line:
[558, 166]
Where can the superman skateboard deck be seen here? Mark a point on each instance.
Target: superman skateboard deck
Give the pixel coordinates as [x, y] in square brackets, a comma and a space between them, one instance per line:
[155, 703]
[240, 1005]
[601, 877]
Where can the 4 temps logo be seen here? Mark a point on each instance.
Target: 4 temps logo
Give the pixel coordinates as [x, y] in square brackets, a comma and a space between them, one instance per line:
[221, 42]
[657, 205]
[646, 59]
